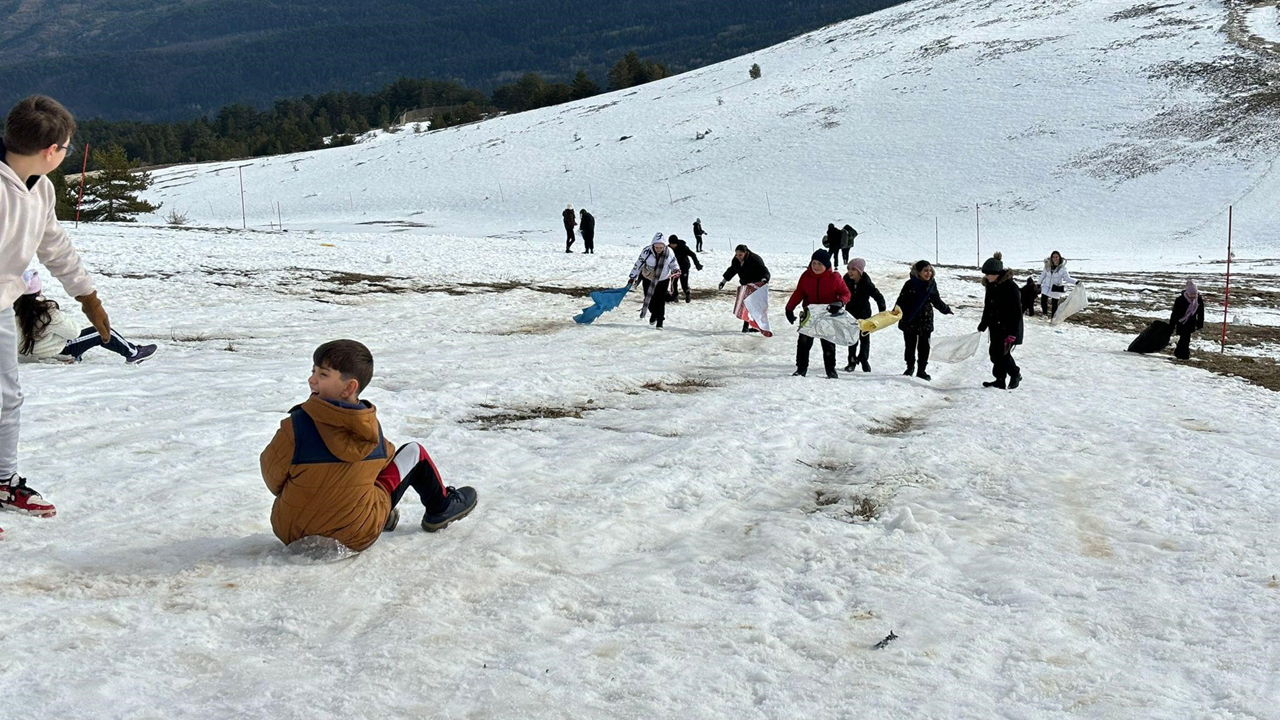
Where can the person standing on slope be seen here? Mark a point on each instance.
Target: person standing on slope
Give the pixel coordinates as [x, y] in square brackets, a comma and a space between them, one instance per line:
[656, 268]
[570, 221]
[1002, 315]
[1053, 281]
[918, 298]
[588, 233]
[750, 268]
[818, 286]
[861, 291]
[683, 257]
[1186, 318]
[698, 232]
[833, 242]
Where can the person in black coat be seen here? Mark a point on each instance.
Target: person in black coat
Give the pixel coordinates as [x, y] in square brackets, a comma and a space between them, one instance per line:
[570, 220]
[750, 268]
[918, 298]
[1186, 318]
[698, 232]
[683, 257]
[861, 291]
[588, 232]
[1029, 293]
[1002, 315]
[833, 242]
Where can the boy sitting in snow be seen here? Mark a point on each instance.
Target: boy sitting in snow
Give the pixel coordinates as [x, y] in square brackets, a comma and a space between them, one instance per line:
[332, 471]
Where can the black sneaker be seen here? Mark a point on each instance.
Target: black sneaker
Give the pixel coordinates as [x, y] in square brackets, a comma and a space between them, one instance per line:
[848, 368]
[1015, 381]
[460, 502]
[911, 370]
[831, 375]
[393, 519]
[924, 375]
[143, 352]
[799, 373]
[998, 384]
[866, 366]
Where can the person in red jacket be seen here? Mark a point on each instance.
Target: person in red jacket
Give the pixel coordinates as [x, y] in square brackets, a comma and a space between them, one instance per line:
[817, 286]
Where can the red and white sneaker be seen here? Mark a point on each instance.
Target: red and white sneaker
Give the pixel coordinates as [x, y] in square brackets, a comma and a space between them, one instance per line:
[16, 496]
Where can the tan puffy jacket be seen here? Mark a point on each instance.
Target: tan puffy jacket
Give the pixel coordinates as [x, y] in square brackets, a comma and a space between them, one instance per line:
[321, 466]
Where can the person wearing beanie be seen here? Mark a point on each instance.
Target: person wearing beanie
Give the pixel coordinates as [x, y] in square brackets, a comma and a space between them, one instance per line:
[1002, 315]
[684, 257]
[656, 268]
[46, 333]
[818, 286]
[570, 221]
[750, 268]
[861, 291]
[1186, 318]
[917, 300]
[1054, 280]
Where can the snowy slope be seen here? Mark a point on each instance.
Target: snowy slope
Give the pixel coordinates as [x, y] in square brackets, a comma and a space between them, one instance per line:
[1112, 130]
[1098, 544]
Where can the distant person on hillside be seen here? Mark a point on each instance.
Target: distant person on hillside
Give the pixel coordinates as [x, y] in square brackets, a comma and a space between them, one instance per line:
[1002, 315]
[847, 238]
[684, 256]
[917, 300]
[823, 290]
[656, 268]
[698, 232]
[570, 220]
[46, 333]
[37, 138]
[332, 472]
[1186, 318]
[750, 268]
[1053, 281]
[1030, 292]
[861, 292]
[588, 233]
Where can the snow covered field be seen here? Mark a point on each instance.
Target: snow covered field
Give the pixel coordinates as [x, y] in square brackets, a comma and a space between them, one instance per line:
[669, 526]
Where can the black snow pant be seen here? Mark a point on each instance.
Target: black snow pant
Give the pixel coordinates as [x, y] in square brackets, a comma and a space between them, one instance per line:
[699, 248]
[1183, 350]
[1002, 363]
[657, 303]
[683, 280]
[89, 339]
[917, 350]
[843, 251]
[568, 243]
[412, 468]
[861, 353]
[805, 344]
[588, 242]
[1045, 303]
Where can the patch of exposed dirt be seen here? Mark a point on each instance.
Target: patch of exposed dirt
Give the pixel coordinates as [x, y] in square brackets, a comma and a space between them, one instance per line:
[851, 509]
[685, 386]
[499, 418]
[900, 425]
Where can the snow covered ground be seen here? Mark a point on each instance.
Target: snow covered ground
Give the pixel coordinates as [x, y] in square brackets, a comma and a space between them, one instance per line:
[670, 525]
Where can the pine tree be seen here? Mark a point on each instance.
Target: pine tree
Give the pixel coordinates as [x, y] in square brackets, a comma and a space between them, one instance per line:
[111, 193]
[754, 72]
[583, 86]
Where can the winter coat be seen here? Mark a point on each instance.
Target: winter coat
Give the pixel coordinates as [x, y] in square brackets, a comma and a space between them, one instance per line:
[1002, 309]
[321, 466]
[28, 228]
[656, 267]
[1179, 309]
[569, 219]
[1055, 276]
[750, 269]
[834, 239]
[684, 255]
[53, 339]
[917, 301]
[1029, 294]
[698, 231]
[847, 236]
[588, 224]
[860, 293]
[821, 289]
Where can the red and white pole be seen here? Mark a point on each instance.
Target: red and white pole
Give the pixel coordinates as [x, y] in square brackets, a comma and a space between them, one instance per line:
[83, 168]
[1226, 297]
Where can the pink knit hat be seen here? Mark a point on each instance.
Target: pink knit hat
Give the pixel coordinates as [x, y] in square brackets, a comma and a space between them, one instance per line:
[32, 279]
[858, 264]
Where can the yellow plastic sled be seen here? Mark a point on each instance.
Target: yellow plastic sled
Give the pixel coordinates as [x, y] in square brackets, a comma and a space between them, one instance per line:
[880, 321]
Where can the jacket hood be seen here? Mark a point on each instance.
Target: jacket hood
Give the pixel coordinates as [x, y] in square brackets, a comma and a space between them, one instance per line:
[350, 434]
[1048, 264]
[8, 176]
[1004, 277]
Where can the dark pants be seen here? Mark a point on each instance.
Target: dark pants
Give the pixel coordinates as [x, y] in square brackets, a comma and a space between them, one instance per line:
[657, 303]
[843, 251]
[917, 350]
[89, 339]
[588, 242]
[1046, 302]
[412, 468]
[1183, 350]
[1002, 363]
[699, 248]
[568, 243]
[805, 344]
[683, 280]
[861, 353]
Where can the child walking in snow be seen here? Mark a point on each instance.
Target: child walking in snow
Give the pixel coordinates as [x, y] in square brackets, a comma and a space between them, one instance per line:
[657, 268]
[861, 291]
[1002, 314]
[46, 333]
[332, 471]
[918, 298]
[1186, 318]
[818, 286]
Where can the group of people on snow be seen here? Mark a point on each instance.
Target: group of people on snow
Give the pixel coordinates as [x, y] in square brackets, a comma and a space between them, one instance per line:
[588, 226]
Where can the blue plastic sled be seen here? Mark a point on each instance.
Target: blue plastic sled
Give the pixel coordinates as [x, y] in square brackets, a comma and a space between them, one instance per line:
[605, 300]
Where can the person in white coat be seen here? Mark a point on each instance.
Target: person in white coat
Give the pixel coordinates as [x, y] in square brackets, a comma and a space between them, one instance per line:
[1054, 280]
[46, 333]
[657, 267]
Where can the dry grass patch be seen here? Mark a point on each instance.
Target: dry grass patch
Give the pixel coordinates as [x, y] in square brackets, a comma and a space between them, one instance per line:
[507, 417]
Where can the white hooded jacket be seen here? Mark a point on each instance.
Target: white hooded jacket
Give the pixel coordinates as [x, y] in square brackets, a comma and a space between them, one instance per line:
[1055, 276]
[655, 268]
[29, 228]
[54, 339]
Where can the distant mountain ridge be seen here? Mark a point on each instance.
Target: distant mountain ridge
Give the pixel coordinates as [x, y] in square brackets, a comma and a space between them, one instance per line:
[170, 59]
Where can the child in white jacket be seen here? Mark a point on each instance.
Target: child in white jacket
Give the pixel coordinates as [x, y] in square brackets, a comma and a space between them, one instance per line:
[46, 333]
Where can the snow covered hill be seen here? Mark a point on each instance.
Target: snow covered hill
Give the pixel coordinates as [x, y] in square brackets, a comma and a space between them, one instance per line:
[1113, 130]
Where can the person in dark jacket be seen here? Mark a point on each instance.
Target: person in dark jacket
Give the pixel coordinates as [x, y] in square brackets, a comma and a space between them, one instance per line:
[1186, 318]
[570, 220]
[918, 298]
[1029, 293]
[861, 291]
[750, 268]
[822, 288]
[833, 243]
[698, 232]
[847, 237]
[588, 233]
[683, 257]
[1002, 315]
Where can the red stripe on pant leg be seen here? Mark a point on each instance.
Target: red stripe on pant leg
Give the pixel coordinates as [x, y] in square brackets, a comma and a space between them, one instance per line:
[389, 478]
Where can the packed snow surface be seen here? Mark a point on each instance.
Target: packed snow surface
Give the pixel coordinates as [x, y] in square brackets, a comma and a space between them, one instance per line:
[669, 525]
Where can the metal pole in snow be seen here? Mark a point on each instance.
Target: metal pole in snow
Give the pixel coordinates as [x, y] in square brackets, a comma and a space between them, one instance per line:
[935, 239]
[244, 222]
[591, 196]
[279, 220]
[671, 200]
[83, 168]
[767, 205]
[501, 194]
[977, 219]
[1226, 301]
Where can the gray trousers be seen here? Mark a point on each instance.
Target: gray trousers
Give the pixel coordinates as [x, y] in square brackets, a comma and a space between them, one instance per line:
[10, 394]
